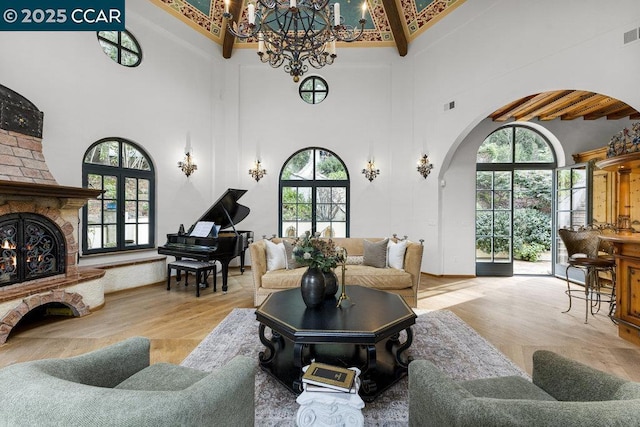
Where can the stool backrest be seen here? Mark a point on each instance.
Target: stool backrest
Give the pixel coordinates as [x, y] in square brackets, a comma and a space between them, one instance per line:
[580, 242]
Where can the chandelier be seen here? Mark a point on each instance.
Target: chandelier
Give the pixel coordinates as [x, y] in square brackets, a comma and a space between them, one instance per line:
[295, 32]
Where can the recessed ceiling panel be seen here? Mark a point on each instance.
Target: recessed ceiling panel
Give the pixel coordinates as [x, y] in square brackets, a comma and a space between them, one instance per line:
[417, 15]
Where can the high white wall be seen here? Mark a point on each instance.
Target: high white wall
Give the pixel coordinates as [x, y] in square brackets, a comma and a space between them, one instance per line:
[485, 54]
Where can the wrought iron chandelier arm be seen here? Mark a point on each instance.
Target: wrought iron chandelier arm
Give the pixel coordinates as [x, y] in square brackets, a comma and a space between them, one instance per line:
[295, 32]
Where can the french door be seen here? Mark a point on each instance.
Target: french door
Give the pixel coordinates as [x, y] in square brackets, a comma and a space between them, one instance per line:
[572, 209]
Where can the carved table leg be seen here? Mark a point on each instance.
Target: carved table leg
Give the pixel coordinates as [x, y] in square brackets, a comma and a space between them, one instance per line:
[266, 357]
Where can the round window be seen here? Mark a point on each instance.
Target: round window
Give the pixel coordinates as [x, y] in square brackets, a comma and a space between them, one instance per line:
[121, 47]
[313, 89]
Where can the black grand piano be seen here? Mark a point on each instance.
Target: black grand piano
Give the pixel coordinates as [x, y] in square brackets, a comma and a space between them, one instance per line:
[224, 246]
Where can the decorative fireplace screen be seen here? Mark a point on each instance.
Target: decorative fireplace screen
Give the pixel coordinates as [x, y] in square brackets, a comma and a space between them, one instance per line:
[31, 247]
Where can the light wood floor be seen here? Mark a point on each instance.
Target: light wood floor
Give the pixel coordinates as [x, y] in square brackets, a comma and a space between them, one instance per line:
[518, 315]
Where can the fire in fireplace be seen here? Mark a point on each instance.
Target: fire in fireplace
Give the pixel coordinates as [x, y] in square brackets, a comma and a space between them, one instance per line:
[31, 247]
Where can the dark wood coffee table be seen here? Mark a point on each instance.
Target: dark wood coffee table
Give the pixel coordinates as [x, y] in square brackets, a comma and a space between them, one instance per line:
[366, 335]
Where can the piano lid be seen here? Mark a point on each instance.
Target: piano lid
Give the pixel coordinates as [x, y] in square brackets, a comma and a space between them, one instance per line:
[227, 204]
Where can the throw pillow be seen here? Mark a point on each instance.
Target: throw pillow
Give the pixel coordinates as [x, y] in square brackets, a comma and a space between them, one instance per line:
[354, 260]
[375, 253]
[395, 256]
[291, 260]
[276, 256]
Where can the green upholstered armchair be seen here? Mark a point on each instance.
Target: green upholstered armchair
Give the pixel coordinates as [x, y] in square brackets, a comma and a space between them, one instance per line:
[116, 386]
[563, 393]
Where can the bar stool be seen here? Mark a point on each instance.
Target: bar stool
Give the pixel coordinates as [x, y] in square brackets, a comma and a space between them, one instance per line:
[583, 247]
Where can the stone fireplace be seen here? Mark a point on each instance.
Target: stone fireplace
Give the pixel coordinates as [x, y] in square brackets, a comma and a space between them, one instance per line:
[38, 222]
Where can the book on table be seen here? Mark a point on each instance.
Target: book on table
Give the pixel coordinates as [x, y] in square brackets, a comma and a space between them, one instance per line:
[317, 388]
[329, 376]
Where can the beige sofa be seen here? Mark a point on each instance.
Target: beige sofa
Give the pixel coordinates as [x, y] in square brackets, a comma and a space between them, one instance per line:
[403, 282]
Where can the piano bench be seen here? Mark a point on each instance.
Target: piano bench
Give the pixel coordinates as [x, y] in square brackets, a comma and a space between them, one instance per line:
[202, 269]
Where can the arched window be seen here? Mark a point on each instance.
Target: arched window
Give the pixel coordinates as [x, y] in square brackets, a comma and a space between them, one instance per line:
[123, 218]
[314, 194]
[514, 187]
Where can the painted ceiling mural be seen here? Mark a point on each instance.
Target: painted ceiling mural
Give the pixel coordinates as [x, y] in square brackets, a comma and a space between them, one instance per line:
[206, 17]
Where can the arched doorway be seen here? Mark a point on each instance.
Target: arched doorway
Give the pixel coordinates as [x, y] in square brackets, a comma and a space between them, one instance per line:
[514, 188]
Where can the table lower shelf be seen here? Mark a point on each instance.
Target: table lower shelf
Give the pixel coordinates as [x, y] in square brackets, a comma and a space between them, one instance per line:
[382, 365]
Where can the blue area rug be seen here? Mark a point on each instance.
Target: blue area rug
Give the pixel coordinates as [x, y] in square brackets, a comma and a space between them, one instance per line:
[439, 336]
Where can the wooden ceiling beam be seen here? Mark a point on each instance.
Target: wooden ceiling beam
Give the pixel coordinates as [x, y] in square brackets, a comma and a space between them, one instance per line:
[563, 99]
[503, 114]
[595, 103]
[587, 100]
[395, 21]
[535, 102]
[626, 111]
[565, 104]
[616, 108]
[235, 8]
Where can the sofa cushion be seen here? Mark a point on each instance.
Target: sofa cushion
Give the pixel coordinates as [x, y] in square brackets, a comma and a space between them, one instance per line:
[276, 256]
[375, 253]
[627, 391]
[354, 260]
[379, 278]
[292, 264]
[162, 377]
[283, 279]
[372, 277]
[512, 387]
[395, 254]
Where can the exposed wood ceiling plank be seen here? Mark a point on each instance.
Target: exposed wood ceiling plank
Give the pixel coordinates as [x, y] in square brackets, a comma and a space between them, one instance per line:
[566, 105]
[562, 100]
[615, 108]
[395, 21]
[591, 106]
[503, 114]
[533, 103]
[627, 111]
[235, 7]
[585, 101]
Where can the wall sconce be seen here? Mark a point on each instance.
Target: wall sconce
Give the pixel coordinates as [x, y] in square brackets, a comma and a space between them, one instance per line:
[187, 166]
[424, 167]
[370, 172]
[257, 172]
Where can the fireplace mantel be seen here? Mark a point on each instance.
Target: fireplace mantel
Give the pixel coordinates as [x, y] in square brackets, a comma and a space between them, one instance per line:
[67, 195]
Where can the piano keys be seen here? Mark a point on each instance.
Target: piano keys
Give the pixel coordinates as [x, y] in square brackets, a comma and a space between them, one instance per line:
[223, 245]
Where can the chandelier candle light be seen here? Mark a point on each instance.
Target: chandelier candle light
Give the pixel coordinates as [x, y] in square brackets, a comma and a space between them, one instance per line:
[257, 172]
[424, 166]
[370, 171]
[187, 166]
[295, 32]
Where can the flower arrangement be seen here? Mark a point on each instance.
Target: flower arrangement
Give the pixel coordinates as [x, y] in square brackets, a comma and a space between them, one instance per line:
[314, 252]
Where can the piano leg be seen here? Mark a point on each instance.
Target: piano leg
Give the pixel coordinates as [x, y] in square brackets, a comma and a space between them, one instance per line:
[242, 262]
[225, 274]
